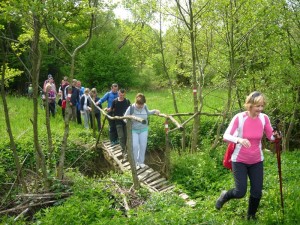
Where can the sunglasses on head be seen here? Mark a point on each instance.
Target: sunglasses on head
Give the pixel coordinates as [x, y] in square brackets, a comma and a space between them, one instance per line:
[255, 95]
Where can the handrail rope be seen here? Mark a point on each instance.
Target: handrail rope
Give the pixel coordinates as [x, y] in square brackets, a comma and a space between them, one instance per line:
[175, 122]
[118, 117]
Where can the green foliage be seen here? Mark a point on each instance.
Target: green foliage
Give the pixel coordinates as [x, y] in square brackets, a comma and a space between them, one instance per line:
[193, 173]
[112, 65]
[95, 201]
[91, 203]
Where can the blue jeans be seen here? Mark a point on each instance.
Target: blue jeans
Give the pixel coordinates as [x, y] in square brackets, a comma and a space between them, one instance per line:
[139, 145]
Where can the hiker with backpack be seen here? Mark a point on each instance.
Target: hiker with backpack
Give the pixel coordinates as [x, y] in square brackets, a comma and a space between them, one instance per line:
[140, 130]
[247, 158]
[119, 107]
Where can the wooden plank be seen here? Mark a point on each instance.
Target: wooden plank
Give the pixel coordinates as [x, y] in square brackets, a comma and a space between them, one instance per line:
[151, 189]
[157, 181]
[141, 170]
[118, 154]
[127, 167]
[145, 174]
[125, 163]
[110, 155]
[147, 171]
[153, 173]
[167, 188]
[114, 147]
[161, 184]
[156, 175]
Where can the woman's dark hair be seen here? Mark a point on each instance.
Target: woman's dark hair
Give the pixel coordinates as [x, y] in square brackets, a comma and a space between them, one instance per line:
[140, 99]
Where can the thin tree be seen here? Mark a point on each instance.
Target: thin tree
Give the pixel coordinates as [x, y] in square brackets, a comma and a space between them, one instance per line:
[60, 169]
[189, 18]
[20, 177]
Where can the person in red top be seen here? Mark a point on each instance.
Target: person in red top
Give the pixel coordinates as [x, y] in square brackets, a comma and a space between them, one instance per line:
[247, 158]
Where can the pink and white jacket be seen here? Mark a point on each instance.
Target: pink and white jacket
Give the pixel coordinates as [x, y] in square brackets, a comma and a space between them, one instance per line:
[252, 129]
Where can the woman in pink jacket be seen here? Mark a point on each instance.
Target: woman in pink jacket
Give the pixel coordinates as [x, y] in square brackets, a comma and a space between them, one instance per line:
[247, 158]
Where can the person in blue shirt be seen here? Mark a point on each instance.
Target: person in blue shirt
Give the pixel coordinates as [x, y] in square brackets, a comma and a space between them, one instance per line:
[109, 97]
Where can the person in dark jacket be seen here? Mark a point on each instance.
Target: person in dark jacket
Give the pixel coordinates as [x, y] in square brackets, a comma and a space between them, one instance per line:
[119, 107]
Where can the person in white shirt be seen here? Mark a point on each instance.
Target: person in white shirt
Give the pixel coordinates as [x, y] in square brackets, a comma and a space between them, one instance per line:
[85, 104]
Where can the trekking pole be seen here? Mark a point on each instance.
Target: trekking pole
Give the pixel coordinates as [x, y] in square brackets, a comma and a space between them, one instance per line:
[100, 132]
[278, 155]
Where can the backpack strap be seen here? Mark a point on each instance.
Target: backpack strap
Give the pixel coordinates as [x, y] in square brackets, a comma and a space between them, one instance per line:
[241, 124]
[131, 109]
[146, 108]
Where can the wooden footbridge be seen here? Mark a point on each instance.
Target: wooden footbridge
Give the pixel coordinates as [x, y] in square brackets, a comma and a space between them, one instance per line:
[146, 176]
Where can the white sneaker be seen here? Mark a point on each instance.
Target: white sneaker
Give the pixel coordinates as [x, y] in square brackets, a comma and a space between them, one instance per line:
[142, 165]
[138, 166]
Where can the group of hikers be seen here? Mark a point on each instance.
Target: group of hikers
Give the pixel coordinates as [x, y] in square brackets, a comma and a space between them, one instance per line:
[85, 103]
[246, 130]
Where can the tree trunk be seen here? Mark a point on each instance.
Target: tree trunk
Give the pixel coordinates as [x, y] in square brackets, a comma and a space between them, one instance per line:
[13, 147]
[49, 133]
[131, 159]
[169, 78]
[196, 88]
[60, 169]
[36, 62]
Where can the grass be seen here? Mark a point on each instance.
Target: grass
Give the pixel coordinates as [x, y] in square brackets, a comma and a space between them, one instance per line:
[21, 109]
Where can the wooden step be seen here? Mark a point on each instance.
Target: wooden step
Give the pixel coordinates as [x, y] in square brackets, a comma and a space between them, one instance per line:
[152, 177]
[161, 184]
[141, 170]
[167, 188]
[125, 163]
[127, 167]
[146, 174]
[157, 181]
[118, 154]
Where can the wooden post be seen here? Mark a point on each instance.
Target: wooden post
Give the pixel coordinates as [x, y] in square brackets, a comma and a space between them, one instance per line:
[167, 152]
[136, 182]
[94, 127]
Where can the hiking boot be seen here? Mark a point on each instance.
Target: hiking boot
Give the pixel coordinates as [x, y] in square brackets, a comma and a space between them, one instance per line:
[252, 208]
[142, 165]
[137, 166]
[221, 200]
